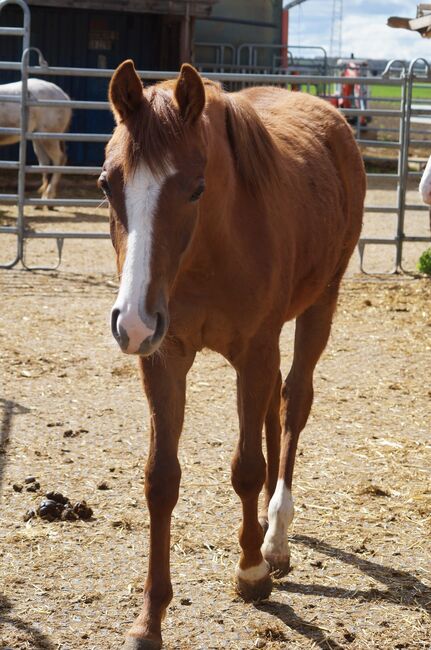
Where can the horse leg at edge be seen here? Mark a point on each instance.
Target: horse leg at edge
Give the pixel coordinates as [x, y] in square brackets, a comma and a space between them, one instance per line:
[311, 336]
[55, 151]
[272, 436]
[165, 386]
[256, 377]
[43, 159]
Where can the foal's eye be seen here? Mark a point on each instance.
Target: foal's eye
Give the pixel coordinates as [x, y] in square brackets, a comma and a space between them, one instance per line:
[197, 193]
[104, 185]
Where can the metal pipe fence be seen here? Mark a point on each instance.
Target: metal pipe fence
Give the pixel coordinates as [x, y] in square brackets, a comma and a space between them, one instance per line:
[397, 76]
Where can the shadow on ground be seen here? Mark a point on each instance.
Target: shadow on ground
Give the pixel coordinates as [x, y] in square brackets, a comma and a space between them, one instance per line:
[38, 641]
[402, 588]
[8, 409]
[35, 639]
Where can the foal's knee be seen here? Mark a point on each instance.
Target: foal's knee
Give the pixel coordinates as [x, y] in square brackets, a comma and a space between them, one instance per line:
[162, 482]
[248, 474]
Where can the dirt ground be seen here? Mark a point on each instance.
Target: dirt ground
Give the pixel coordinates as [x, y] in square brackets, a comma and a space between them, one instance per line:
[72, 415]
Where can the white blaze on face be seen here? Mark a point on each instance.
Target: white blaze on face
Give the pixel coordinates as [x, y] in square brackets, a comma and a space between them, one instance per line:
[280, 516]
[141, 194]
[425, 184]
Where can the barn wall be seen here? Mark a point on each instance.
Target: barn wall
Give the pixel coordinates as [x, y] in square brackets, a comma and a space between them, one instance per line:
[88, 38]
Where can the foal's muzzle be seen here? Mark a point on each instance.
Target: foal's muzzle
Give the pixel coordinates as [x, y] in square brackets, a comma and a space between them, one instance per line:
[133, 335]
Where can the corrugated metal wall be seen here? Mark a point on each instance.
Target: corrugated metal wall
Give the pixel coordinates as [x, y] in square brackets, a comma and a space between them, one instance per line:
[262, 11]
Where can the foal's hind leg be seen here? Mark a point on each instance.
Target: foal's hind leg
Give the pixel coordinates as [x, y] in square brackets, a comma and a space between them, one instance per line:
[272, 435]
[311, 335]
[257, 374]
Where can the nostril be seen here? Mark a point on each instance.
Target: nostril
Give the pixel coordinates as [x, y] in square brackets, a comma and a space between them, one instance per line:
[160, 326]
[118, 331]
[162, 323]
[114, 322]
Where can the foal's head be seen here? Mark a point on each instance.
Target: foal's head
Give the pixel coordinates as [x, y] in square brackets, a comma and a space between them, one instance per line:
[153, 177]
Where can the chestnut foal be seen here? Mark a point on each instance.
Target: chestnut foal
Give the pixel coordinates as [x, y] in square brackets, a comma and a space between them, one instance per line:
[230, 214]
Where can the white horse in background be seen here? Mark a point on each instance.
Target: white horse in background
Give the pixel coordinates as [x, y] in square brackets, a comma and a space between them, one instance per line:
[55, 119]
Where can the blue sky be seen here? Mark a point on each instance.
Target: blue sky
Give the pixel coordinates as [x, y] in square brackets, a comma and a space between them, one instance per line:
[364, 30]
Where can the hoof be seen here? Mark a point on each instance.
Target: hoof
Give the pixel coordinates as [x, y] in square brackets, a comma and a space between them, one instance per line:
[279, 564]
[133, 643]
[254, 591]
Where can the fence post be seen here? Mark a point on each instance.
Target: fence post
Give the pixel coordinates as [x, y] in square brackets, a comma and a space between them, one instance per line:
[23, 126]
[23, 151]
[402, 169]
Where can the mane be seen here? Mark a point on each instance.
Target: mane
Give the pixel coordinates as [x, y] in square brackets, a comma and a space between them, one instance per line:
[254, 150]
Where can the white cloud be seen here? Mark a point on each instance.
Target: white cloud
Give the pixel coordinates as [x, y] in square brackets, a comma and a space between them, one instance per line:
[369, 36]
[364, 29]
[406, 6]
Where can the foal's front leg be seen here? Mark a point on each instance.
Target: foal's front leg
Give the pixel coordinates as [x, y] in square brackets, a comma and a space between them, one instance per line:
[257, 375]
[165, 383]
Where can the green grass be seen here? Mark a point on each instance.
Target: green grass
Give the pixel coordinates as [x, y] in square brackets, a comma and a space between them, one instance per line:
[424, 264]
[386, 92]
[395, 92]
[380, 91]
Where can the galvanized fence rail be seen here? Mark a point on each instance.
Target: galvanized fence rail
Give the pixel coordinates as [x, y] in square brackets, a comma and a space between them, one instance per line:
[397, 76]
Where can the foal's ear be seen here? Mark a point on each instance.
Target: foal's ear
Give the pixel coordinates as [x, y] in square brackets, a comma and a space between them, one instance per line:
[125, 91]
[190, 93]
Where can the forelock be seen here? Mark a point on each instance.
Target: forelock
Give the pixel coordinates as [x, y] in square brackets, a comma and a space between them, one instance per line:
[152, 132]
